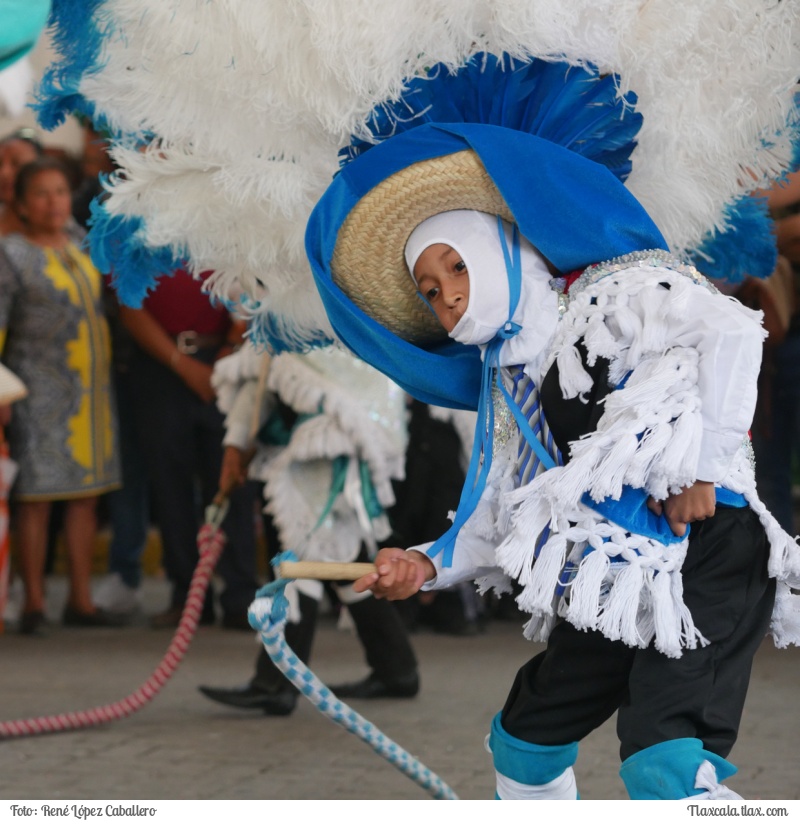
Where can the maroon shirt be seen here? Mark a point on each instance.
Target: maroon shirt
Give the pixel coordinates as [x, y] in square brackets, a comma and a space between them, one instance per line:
[179, 304]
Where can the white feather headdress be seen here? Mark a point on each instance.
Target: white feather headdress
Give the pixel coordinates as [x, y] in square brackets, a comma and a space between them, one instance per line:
[244, 106]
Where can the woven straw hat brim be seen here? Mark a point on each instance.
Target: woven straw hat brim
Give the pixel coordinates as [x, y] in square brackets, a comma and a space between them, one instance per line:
[368, 262]
[11, 387]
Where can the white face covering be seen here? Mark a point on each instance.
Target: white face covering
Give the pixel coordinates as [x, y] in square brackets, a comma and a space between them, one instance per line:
[475, 236]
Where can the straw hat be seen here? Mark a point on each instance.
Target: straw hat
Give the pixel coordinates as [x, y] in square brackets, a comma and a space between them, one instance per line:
[11, 387]
[573, 210]
[368, 263]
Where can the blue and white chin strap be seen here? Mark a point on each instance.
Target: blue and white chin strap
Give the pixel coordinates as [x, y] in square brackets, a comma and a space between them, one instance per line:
[481, 460]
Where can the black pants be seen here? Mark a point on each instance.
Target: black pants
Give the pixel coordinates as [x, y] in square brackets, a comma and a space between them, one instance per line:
[181, 437]
[582, 678]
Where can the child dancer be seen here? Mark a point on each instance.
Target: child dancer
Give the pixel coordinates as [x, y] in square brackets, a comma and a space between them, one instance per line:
[612, 474]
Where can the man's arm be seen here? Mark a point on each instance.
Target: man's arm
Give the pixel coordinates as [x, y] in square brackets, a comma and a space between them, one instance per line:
[155, 341]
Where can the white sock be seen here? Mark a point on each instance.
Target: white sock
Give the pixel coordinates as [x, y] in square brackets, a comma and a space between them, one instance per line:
[562, 788]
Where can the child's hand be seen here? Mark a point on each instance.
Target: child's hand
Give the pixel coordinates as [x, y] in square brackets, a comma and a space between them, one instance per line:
[399, 574]
[693, 503]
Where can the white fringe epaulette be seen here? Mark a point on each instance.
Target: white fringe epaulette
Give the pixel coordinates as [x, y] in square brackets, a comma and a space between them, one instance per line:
[584, 568]
[232, 372]
[355, 412]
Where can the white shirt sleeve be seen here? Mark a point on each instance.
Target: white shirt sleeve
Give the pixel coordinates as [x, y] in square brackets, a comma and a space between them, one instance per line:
[729, 339]
[474, 557]
[240, 420]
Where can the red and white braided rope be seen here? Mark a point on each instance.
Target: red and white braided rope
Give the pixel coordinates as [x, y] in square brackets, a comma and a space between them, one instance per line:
[211, 541]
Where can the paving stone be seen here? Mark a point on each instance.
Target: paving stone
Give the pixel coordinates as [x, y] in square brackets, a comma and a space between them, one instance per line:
[182, 746]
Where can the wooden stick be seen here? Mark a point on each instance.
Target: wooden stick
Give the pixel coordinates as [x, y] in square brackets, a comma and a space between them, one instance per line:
[323, 571]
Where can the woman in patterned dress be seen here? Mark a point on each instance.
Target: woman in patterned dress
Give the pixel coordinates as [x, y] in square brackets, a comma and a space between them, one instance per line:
[54, 336]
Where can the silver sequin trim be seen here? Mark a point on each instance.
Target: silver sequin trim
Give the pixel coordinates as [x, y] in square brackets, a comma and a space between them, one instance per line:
[644, 259]
[747, 447]
[505, 427]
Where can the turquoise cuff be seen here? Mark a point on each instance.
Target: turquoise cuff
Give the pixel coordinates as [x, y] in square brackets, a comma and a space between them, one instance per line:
[531, 764]
[668, 771]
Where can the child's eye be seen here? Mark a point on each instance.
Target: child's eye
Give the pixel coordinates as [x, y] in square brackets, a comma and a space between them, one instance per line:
[432, 293]
[461, 266]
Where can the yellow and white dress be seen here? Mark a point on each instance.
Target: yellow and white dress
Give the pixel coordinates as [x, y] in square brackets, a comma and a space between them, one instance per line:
[54, 335]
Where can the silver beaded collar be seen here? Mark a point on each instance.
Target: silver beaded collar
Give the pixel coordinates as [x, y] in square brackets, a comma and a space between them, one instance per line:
[634, 260]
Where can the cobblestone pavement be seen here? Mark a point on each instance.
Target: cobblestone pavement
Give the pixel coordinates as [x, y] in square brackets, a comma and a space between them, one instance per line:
[182, 746]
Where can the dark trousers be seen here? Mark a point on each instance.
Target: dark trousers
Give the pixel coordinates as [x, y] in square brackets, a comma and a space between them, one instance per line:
[582, 678]
[181, 437]
[384, 637]
[776, 433]
[299, 637]
[128, 507]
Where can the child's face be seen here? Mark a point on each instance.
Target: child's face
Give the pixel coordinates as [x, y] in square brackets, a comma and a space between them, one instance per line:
[443, 281]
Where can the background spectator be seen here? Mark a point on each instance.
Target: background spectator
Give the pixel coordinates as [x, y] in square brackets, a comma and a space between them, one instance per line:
[776, 428]
[179, 333]
[325, 433]
[63, 434]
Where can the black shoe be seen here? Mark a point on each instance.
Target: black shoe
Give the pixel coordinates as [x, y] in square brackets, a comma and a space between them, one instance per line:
[32, 623]
[374, 687]
[253, 698]
[99, 618]
[170, 618]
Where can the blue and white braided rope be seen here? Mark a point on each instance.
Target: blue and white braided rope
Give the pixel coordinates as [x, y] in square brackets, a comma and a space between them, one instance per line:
[267, 615]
